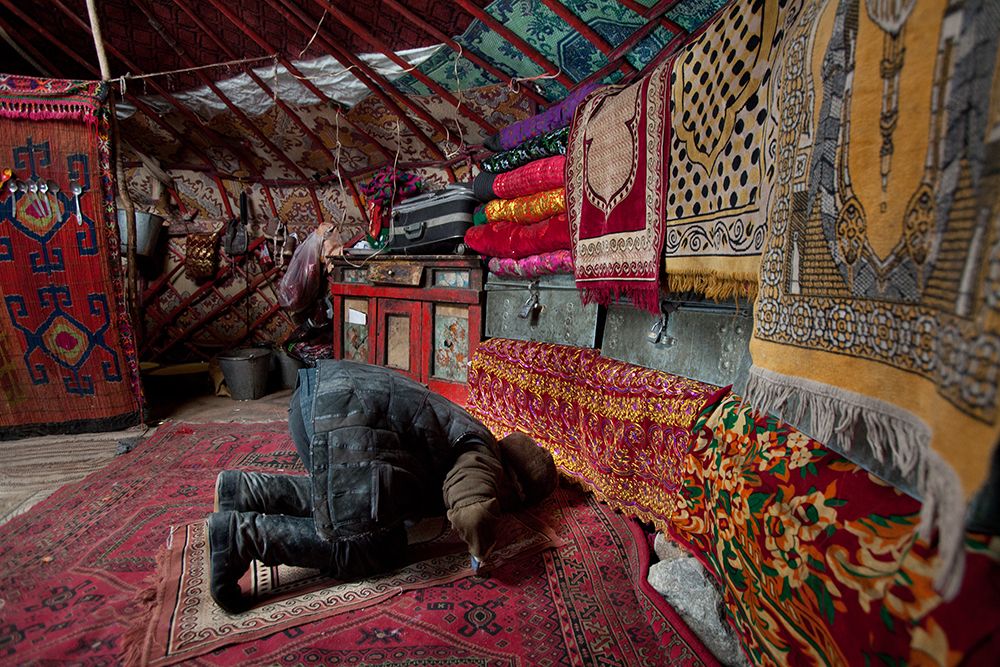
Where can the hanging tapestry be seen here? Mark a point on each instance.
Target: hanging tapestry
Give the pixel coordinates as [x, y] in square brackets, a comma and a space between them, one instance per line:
[67, 356]
[718, 153]
[615, 178]
[878, 313]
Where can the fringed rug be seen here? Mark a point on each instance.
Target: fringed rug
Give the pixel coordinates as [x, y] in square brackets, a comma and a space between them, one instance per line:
[719, 157]
[76, 572]
[877, 326]
[616, 175]
[67, 355]
[185, 622]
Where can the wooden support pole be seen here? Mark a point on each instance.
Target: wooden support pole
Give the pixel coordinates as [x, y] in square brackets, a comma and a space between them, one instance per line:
[132, 283]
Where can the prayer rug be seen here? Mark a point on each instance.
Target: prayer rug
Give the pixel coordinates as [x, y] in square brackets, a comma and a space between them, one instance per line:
[877, 325]
[67, 355]
[186, 622]
[719, 158]
[819, 561]
[622, 431]
[616, 175]
[75, 573]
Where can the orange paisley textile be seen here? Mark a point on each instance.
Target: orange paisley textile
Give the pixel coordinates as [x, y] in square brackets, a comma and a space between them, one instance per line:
[621, 430]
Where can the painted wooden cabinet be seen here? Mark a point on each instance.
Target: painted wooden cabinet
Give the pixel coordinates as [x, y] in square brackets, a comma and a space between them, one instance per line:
[421, 315]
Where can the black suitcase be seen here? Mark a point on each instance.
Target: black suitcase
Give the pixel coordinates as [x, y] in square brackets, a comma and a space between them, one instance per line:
[433, 223]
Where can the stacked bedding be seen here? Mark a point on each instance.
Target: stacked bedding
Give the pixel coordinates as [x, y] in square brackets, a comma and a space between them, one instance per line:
[522, 226]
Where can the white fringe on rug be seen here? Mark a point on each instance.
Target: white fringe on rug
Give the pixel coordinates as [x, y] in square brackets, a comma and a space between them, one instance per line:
[896, 437]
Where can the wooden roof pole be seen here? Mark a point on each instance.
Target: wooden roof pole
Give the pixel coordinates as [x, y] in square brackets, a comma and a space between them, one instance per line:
[211, 135]
[207, 30]
[656, 12]
[132, 282]
[591, 35]
[523, 46]
[237, 112]
[384, 90]
[369, 78]
[486, 66]
[299, 76]
[354, 26]
[45, 65]
[641, 33]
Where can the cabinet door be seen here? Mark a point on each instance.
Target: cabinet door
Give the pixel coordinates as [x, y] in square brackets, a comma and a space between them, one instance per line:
[399, 335]
[451, 336]
[355, 341]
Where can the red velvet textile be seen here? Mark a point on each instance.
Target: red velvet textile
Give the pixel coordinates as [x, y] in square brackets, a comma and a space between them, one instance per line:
[538, 176]
[516, 240]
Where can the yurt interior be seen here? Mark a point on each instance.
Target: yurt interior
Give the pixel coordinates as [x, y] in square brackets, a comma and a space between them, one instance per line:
[565, 332]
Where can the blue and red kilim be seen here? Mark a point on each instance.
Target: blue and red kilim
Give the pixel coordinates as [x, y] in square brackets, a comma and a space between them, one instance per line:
[67, 354]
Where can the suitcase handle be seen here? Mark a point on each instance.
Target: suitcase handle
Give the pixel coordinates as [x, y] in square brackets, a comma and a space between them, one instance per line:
[414, 231]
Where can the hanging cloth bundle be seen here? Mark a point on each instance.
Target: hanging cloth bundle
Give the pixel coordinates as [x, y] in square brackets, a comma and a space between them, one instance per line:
[236, 239]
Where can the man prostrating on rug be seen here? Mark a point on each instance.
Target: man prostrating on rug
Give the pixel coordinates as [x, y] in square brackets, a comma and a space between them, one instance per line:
[381, 449]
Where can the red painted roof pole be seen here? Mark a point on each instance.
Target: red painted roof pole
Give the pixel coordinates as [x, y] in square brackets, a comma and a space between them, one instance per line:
[369, 78]
[486, 66]
[208, 132]
[575, 22]
[354, 26]
[523, 46]
[656, 12]
[237, 112]
[299, 76]
[207, 30]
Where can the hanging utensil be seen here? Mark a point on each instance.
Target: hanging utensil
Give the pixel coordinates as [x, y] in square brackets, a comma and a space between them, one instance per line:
[77, 190]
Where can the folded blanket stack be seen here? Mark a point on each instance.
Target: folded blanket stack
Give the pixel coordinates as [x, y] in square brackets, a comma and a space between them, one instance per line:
[523, 186]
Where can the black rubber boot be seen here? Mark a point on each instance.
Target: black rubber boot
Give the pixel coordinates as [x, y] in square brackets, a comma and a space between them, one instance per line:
[244, 491]
[237, 538]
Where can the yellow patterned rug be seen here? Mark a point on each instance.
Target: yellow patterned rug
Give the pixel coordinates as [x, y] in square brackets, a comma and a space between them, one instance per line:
[877, 318]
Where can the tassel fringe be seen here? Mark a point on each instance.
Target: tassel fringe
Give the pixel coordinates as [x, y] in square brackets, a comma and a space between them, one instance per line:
[715, 286]
[645, 296]
[894, 435]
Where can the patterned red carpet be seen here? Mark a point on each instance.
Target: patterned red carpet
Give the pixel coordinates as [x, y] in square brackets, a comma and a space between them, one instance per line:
[75, 574]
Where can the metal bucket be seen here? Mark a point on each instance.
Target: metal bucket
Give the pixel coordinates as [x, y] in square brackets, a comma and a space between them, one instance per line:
[246, 371]
[287, 368]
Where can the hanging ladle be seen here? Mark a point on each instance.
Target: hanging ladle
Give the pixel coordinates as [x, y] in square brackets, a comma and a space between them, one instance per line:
[77, 190]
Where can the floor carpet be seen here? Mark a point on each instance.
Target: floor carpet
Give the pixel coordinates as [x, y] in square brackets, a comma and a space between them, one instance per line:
[76, 573]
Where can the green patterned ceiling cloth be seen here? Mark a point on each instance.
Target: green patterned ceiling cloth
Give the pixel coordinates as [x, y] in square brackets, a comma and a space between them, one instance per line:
[555, 39]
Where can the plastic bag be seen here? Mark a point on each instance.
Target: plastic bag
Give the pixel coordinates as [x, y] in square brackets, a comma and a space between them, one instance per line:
[302, 280]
